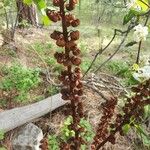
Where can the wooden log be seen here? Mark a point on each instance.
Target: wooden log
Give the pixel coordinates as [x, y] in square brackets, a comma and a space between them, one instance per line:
[10, 119]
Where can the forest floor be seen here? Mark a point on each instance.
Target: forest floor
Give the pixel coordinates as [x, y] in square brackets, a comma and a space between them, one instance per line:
[33, 48]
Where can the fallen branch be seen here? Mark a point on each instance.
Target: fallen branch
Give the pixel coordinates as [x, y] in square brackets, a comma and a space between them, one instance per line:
[10, 119]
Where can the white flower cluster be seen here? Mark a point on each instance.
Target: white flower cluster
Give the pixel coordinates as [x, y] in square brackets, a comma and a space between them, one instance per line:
[133, 4]
[140, 33]
[143, 73]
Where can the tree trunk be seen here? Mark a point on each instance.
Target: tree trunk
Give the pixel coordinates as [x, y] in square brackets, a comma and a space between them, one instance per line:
[27, 13]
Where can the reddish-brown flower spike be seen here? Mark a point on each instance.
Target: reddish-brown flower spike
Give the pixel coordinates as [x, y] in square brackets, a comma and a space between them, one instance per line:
[74, 35]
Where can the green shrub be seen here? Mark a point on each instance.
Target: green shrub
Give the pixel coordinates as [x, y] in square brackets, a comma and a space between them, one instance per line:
[122, 70]
[21, 80]
[67, 133]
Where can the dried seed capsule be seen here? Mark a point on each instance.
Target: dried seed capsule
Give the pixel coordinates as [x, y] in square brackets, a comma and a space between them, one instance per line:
[80, 85]
[75, 22]
[53, 16]
[74, 35]
[76, 52]
[77, 70]
[71, 44]
[56, 35]
[60, 42]
[65, 97]
[56, 3]
[76, 61]
[70, 7]
[67, 62]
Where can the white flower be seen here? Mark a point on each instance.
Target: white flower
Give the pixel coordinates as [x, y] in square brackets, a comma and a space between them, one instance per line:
[140, 33]
[142, 74]
[131, 3]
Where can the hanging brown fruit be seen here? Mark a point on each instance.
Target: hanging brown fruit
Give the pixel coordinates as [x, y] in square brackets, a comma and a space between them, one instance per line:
[74, 35]
[56, 35]
[75, 22]
[69, 19]
[65, 97]
[60, 42]
[70, 45]
[79, 76]
[80, 92]
[77, 70]
[80, 85]
[67, 62]
[70, 7]
[53, 16]
[56, 3]
[76, 61]
[61, 78]
[76, 52]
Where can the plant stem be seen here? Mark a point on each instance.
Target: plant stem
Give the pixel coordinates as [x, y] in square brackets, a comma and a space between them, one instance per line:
[139, 51]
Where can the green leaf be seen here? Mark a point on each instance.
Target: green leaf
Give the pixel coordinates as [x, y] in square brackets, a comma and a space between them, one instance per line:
[126, 128]
[41, 4]
[145, 138]
[128, 17]
[143, 4]
[1, 135]
[130, 44]
[147, 111]
[28, 2]
[2, 148]
[83, 147]
[46, 20]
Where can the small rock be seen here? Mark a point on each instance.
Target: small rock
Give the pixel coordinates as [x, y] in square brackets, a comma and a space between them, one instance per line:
[28, 138]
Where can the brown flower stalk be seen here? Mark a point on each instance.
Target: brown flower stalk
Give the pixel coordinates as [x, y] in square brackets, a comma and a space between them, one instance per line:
[71, 76]
[131, 109]
[102, 131]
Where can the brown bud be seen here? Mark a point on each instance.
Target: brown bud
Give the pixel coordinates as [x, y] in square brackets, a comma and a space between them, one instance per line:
[75, 35]
[77, 70]
[75, 22]
[56, 3]
[60, 42]
[61, 78]
[65, 97]
[76, 61]
[70, 45]
[80, 85]
[79, 75]
[70, 7]
[76, 52]
[56, 35]
[80, 92]
[53, 16]
[67, 62]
